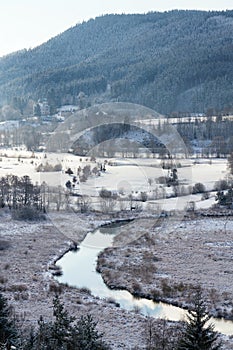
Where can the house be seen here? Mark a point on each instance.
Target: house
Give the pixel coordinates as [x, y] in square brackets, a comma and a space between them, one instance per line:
[42, 108]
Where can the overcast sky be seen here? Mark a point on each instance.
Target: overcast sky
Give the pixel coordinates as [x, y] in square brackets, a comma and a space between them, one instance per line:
[28, 23]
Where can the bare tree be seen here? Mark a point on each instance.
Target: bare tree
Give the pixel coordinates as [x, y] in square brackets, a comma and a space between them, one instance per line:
[158, 335]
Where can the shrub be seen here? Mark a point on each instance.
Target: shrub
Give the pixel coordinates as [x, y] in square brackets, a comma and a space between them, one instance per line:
[95, 170]
[156, 294]
[85, 290]
[87, 170]
[191, 206]
[27, 213]
[84, 203]
[205, 196]
[162, 180]
[55, 288]
[198, 188]
[143, 196]
[104, 193]
[83, 178]
[136, 287]
[221, 185]
[18, 288]
[57, 167]
[48, 167]
[166, 288]
[69, 171]
[3, 280]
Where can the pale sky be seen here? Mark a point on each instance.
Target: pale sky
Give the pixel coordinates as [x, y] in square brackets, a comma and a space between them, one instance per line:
[28, 23]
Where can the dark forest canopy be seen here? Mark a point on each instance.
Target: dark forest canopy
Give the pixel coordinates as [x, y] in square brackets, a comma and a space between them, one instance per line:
[171, 61]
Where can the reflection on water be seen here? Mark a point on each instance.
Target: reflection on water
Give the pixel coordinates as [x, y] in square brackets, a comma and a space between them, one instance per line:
[79, 270]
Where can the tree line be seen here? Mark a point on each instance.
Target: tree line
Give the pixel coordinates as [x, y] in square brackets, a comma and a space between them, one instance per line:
[65, 332]
[212, 137]
[144, 59]
[18, 192]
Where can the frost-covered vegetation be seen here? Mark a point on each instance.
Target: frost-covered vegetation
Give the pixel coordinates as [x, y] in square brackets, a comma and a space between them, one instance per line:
[65, 332]
[112, 185]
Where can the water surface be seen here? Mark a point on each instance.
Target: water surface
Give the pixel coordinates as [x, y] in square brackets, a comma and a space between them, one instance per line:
[79, 270]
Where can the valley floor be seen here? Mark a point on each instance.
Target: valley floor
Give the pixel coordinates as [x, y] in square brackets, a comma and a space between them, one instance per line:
[171, 258]
[150, 255]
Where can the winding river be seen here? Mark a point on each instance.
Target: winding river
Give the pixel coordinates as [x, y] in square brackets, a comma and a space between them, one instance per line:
[79, 270]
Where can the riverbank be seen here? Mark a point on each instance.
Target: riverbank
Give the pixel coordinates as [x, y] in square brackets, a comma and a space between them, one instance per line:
[27, 282]
[170, 259]
[27, 250]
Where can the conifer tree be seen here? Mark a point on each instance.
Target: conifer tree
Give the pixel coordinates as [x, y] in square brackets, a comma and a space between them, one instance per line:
[199, 333]
[8, 332]
[65, 333]
[87, 337]
[62, 326]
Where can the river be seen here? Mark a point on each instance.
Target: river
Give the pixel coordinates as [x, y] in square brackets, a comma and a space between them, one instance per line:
[79, 270]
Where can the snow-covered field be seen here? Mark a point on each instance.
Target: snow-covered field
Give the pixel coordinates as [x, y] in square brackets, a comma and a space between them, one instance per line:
[130, 176]
[189, 246]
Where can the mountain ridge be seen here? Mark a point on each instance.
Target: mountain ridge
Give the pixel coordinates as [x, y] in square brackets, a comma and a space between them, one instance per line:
[176, 60]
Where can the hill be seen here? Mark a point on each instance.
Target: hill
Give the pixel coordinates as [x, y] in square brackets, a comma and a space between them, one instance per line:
[172, 61]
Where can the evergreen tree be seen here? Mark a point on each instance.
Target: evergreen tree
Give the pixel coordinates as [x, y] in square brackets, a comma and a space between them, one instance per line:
[30, 340]
[225, 199]
[62, 326]
[87, 337]
[63, 334]
[198, 333]
[42, 339]
[8, 333]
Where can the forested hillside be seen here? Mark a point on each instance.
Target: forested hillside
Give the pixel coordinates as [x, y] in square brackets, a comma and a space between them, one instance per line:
[172, 61]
